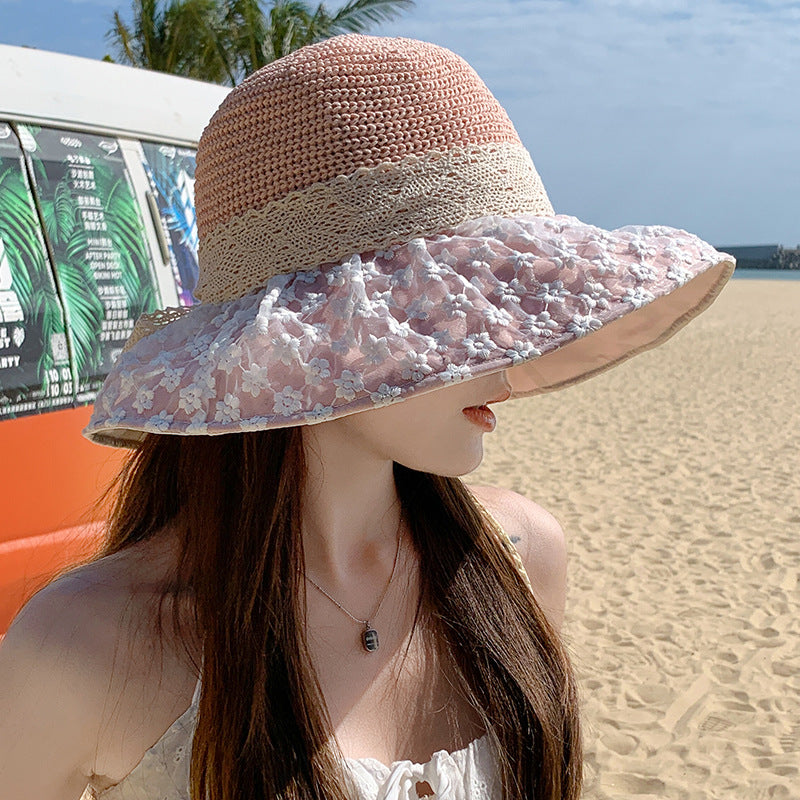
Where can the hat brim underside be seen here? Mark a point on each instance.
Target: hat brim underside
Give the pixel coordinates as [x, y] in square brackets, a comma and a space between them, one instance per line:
[551, 299]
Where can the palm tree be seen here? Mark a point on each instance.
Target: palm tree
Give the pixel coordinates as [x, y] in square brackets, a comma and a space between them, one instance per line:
[179, 37]
[224, 42]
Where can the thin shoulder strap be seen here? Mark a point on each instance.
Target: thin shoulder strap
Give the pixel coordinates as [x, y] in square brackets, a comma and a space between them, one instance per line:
[505, 542]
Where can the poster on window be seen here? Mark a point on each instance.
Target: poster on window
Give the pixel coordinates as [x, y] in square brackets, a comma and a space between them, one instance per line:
[35, 373]
[97, 238]
[170, 172]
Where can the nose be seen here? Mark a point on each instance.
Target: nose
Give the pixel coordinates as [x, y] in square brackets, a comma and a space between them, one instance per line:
[504, 391]
[504, 377]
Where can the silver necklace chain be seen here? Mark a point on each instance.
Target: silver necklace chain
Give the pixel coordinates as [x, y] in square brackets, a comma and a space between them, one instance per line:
[369, 636]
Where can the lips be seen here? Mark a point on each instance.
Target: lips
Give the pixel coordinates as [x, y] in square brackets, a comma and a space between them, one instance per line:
[481, 416]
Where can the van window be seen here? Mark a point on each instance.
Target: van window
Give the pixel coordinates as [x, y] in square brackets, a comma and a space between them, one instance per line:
[95, 232]
[170, 173]
[35, 373]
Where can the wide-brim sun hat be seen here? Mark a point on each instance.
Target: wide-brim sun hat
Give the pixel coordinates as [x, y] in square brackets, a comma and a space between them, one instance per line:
[371, 228]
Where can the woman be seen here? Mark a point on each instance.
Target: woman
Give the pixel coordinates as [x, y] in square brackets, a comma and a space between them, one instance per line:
[292, 556]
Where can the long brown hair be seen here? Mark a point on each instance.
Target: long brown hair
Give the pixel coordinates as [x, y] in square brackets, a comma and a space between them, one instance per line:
[263, 732]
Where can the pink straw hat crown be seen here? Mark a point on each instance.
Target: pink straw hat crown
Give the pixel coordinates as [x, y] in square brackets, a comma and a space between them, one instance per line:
[371, 228]
[353, 144]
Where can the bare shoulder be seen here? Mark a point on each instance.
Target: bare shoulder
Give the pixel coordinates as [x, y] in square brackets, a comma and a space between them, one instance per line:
[55, 663]
[541, 543]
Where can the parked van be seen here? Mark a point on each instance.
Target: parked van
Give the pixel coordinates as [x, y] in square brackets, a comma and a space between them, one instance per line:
[97, 226]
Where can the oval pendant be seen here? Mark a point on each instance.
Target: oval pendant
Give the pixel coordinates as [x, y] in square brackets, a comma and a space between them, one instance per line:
[369, 638]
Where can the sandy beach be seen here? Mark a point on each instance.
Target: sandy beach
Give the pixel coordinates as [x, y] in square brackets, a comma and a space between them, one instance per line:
[677, 480]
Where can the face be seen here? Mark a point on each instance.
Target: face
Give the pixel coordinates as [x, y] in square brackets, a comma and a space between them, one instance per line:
[440, 432]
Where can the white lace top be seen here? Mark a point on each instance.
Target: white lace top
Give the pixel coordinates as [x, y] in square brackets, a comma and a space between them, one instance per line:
[468, 774]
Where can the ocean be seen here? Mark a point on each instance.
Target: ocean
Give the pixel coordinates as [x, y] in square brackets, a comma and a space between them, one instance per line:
[768, 274]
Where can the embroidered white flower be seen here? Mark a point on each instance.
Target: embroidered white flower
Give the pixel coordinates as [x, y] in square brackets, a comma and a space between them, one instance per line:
[540, 325]
[383, 299]
[415, 367]
[172, 378]
[199, 345]
[454, 373]
[386, 394]
[369, 271]
[604, 264]
[320, 412]
[375, 350]
[420, 307]
[316, 371]
[567, 255]
[335, 275]
[638, 297]
[507, 292]
[312, 301]
[678, 274]
[160, 422]
[442, 340]
[483, 252]
[479, 345]
[227, 409]
[641, 248]
[321, 330]
[204, 382]
[433, 271]
[594, 295]
[229, 358]
[288, 401]
[446, 257]
[401, 278]
[207, 357]
[522, 351]
[642, 272]
[524, 262]
[456, 305]
[581, 324]
[163, 358]
[554, 225]
[144, 399]
[389, 253]
[286, 348]
[117, 416]
[127, 382]
[496, 316]
[346, 343]
[191, 398]
[255, 379]
[399, 330]
[198, 424]
[552, 292]
[307, 275]
[348, 384]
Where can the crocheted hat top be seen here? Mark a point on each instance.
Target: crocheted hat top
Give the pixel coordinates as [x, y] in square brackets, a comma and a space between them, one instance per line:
[342, 147]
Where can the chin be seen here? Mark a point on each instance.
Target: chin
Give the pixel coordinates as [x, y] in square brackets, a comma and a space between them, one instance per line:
[456, 467]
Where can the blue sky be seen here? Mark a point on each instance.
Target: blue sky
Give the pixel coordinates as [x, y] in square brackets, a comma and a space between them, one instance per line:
[635, 111]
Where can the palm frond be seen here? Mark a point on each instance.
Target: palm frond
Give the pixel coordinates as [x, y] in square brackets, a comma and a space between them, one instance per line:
[358, 16]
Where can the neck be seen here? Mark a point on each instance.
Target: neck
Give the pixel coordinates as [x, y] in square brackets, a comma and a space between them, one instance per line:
[351, 511]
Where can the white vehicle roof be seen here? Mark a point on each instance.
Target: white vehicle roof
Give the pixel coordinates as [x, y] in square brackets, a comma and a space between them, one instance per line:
[52, 88]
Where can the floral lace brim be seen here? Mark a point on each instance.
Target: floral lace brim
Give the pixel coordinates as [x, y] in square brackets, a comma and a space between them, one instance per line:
[552, 297]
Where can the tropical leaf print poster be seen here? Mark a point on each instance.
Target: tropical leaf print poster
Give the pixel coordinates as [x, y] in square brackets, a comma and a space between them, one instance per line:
[170, 172]
[96, 235]
[35, 373]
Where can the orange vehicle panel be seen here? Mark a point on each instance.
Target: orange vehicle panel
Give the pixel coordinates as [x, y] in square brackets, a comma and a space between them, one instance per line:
[52, 480]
